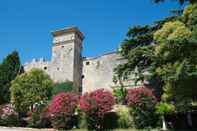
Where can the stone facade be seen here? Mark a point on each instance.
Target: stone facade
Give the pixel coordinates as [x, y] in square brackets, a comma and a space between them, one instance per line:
[67, 64]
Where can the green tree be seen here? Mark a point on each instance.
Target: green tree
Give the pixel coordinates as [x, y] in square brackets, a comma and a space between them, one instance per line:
[9, 69]
[62, 87]
[138, 49]
[30, 88]
[170, 58]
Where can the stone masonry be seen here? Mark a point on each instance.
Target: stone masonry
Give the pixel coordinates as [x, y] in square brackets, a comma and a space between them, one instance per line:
[67, 63]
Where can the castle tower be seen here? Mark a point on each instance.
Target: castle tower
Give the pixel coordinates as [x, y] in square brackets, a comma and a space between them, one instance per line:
[66, 60]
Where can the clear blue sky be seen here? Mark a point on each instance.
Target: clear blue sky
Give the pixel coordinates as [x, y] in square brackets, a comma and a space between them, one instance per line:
[25, 25]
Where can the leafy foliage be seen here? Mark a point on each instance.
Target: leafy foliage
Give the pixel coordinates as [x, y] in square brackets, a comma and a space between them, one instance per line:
[164, 108]
[95, 105]
[125, 120]
[8, 70]
[62, 109]
[38, 117]
[30, 88]
[170, 58]
[119, 94]
[62, 87]
[134, 96]
[142, 103]
[8, 116]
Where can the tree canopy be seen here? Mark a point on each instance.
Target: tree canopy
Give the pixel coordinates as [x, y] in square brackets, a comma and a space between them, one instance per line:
[168, 51]
[30, 88]
[9, 69]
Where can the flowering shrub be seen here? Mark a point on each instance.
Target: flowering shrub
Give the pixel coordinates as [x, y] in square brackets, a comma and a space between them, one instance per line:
[9, 116]
[62, 109]
[142, 102]
[135, 95]
[38, 116]
[95, 105]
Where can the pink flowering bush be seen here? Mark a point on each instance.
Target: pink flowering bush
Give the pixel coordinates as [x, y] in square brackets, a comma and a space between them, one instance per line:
[142, 102]
[8, 116]
[61, 110]
[95, 105]
[135, 95]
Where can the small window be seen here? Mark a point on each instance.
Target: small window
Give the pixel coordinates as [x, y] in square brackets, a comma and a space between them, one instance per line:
[87, 63]
[82, 76]
[45, 68]
[58, 68]
[62, 46]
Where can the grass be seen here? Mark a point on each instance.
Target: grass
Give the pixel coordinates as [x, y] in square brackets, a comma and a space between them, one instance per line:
[138, 130]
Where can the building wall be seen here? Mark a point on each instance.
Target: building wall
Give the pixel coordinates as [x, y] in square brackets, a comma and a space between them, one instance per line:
[67, 64]
[39, 64]
[98, 71]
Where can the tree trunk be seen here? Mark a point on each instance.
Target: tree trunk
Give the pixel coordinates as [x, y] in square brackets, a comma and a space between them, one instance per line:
[164, 127]
[189, 119]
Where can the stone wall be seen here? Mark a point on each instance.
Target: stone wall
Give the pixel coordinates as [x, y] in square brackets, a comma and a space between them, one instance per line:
[67, 63]
[98, 71]
[39, 64]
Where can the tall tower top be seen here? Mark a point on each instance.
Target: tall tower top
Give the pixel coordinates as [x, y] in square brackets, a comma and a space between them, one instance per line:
[67, 34]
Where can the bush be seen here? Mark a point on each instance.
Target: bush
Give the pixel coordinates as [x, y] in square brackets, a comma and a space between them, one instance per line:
[95, 105]
[62, 109]
[30, 88]
[38, 117]
[125, 119]
[142, 103]
[9, 117]
[119, 93]
[62, 87]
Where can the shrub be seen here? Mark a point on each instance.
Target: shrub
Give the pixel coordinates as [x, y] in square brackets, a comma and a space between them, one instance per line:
[9, 117]
[95, 105]
[62, 87]
[38, 118]
[30, 88]
[119, 93]
[62, 109]
[142, 103]
[125, 119]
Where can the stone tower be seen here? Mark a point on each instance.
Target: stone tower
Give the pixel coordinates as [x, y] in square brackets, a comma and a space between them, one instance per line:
[66, 63]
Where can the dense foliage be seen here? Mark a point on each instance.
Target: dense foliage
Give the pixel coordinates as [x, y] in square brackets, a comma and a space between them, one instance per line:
[8, 116]
[142, 103]
[125, 119]
[134, 96]
[38, 117]
[169, 57]
[30, 88]
[62, 109]
[9, 69]
[95, 105]
[62, 87]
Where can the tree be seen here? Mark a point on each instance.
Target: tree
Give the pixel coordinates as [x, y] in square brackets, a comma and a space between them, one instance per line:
[138, 49]
[171, 59]
[30, 88]
[9, 69]
[62, 87]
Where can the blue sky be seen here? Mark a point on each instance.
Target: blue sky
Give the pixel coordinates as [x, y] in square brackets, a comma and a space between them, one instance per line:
[25, 25]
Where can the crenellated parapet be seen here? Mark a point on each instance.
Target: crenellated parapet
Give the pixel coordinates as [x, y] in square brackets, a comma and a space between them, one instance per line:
[38, 64]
